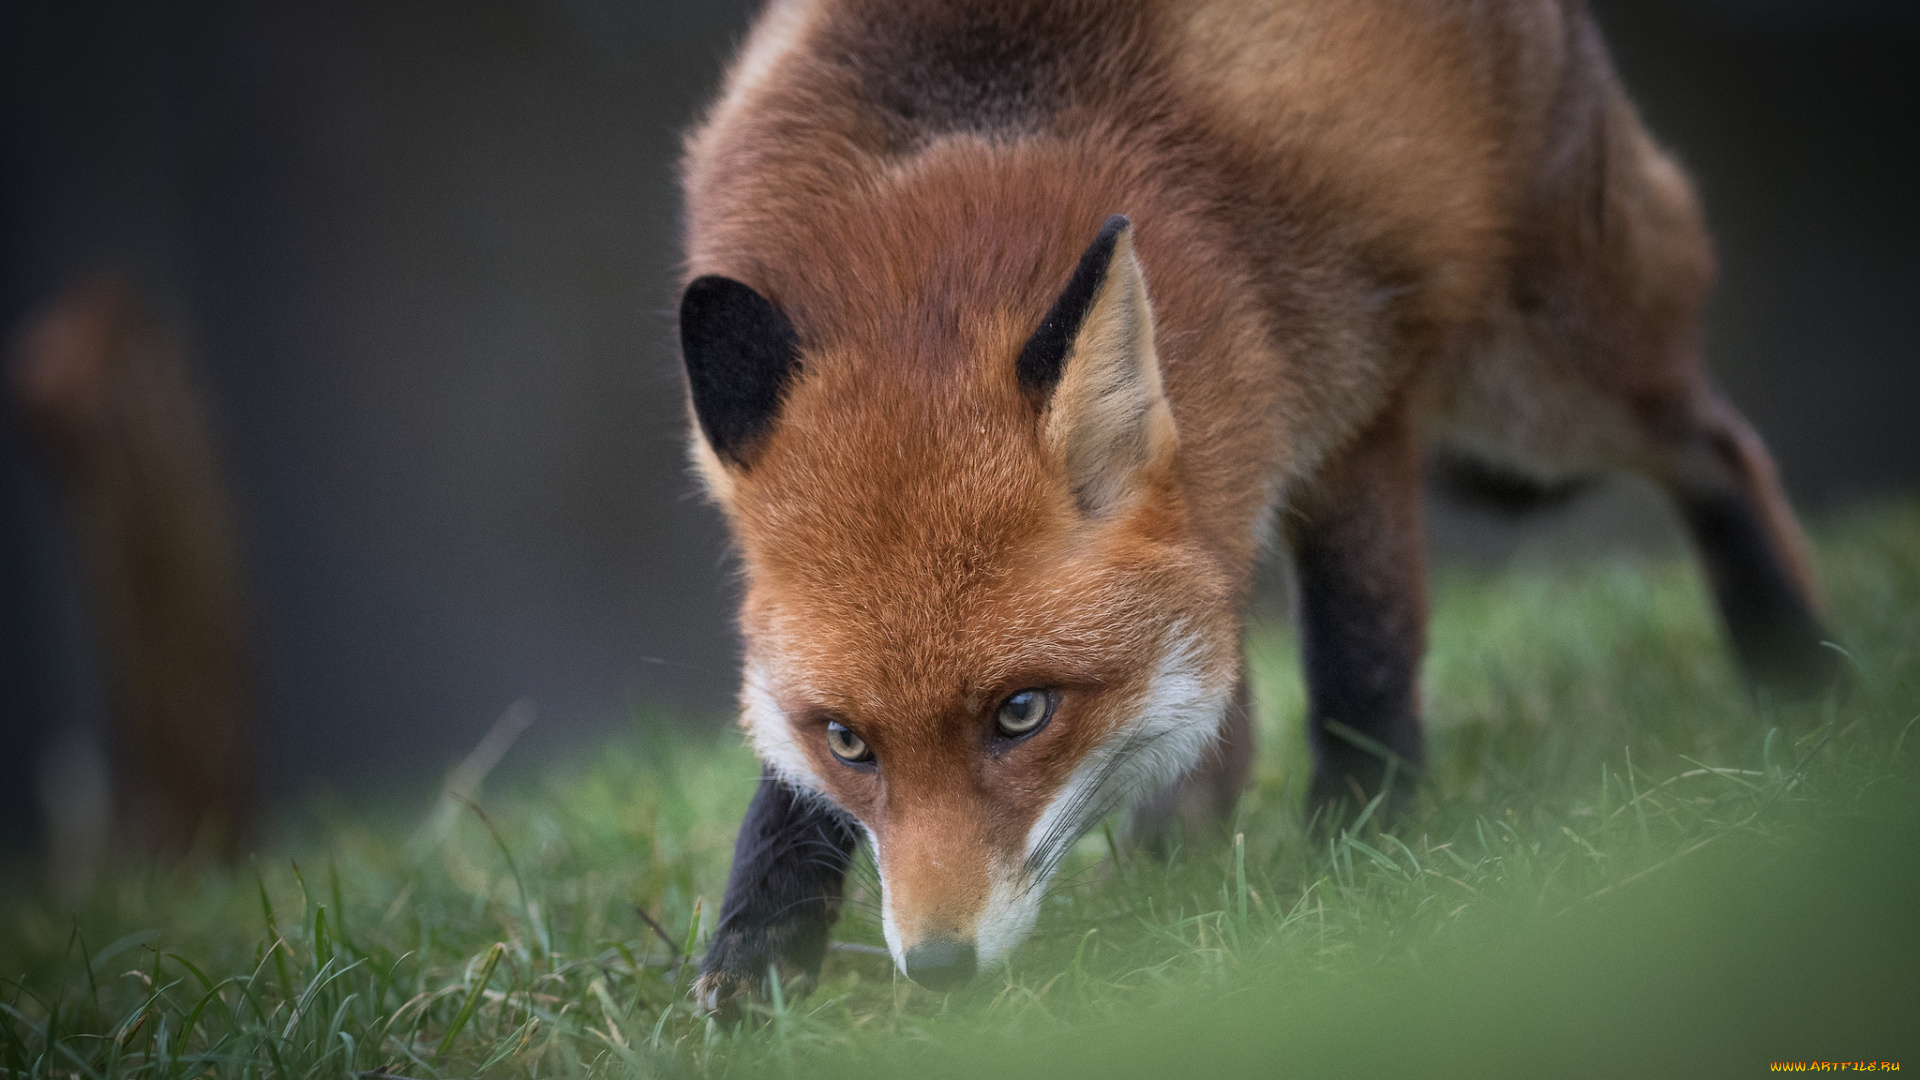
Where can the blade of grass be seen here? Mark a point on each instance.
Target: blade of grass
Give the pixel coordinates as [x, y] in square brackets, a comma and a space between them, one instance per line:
[473, 999]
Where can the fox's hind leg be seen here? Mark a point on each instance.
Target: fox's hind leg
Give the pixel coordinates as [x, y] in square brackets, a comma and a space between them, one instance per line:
[1682, 435]
[1637, 402]
[1751, 547]
[1359, 564]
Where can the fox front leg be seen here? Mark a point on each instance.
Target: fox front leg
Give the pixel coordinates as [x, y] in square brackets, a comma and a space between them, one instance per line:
[1357, 555]
[783, 895]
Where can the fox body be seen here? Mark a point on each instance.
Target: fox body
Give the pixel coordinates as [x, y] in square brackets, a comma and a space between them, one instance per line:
[1017, 331]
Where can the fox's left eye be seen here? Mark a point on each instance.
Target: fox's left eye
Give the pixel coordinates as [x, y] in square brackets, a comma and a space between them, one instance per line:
[1025, 712]
[847, 746]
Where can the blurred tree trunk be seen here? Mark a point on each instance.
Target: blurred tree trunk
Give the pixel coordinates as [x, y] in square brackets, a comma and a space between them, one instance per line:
[105, 387]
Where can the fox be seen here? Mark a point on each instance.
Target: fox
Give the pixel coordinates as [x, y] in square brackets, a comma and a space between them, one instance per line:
[1017, 332]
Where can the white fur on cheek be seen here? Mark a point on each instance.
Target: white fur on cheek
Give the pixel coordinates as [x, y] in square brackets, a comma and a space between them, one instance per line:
[1175, 723]
[772, 736]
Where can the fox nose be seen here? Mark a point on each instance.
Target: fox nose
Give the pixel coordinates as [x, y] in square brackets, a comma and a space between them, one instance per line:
[941, 963]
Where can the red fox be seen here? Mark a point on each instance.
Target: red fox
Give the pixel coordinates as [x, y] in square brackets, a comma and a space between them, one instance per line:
[1017, 330]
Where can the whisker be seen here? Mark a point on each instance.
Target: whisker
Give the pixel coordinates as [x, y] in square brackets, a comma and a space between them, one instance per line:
[1112, 802]
[1074, 822]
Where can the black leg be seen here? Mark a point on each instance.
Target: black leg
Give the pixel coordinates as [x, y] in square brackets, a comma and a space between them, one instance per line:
[1359, 565]
[1750, 545]
[783, 895]
[1360, 648]
[1775, 635]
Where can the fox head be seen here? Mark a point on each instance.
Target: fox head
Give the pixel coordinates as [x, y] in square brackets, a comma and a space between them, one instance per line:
[976, 618]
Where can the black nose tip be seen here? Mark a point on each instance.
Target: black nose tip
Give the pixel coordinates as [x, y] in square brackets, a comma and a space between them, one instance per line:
[941, 963]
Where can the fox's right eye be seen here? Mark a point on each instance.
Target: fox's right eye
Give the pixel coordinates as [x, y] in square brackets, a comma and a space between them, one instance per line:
[848, 747]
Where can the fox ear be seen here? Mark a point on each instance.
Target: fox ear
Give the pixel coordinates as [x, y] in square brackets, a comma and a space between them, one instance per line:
[1092, 362]
[740, 353]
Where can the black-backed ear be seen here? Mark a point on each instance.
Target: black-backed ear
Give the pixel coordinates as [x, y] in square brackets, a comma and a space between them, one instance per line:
[1093, 365]
[740, 353]
[1045, 354]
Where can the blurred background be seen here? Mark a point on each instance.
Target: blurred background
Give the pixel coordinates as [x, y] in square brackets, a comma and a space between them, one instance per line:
[415, 264]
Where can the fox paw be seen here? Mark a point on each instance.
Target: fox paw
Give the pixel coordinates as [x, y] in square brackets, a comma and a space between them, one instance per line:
[727, 995]
[722, 994]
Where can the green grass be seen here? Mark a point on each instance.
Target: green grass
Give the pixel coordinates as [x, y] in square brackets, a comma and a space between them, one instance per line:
[1620, 866]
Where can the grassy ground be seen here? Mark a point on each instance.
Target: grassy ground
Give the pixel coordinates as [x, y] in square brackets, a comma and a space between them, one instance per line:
[1619, 865]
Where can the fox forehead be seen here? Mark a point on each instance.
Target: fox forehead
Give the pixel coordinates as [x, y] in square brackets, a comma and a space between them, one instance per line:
[934, 631]
[917, 456]
[910, 554]
[887, 511]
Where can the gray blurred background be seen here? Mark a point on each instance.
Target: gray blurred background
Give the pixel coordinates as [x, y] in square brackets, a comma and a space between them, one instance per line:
[423, 254]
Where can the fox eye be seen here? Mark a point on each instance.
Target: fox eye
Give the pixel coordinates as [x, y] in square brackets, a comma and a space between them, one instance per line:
[1025, 712]
[848, 747]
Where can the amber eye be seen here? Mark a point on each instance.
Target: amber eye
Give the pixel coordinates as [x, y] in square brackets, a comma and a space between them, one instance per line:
[1025, 712]
[847, 746]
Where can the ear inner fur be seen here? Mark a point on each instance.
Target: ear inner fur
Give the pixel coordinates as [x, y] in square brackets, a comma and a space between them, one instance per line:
[1045, 353]
[740, 353]
[1108, 418]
